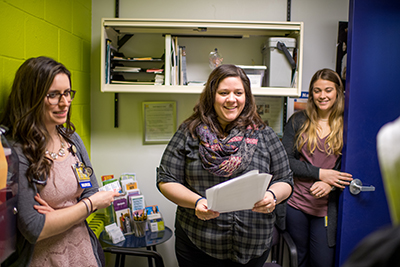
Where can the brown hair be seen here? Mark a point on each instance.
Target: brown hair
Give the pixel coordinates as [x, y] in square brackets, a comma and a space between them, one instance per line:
[23, 113]
[204, 111]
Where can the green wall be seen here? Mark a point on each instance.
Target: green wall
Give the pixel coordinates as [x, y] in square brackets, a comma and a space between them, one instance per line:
[57, 29]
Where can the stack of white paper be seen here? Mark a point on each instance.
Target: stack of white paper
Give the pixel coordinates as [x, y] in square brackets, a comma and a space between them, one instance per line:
[126, 69]
[240, 193]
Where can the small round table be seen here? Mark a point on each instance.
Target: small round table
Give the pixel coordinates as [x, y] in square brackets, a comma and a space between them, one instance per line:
[149, 241]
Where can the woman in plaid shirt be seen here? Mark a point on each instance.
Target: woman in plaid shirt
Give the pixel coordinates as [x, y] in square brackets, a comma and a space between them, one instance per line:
[223, 139]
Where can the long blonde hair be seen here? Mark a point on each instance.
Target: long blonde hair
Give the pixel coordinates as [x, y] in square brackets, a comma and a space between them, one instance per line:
[308, 131]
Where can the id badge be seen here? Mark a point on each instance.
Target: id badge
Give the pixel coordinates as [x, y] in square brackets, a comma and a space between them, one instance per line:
[83, 174]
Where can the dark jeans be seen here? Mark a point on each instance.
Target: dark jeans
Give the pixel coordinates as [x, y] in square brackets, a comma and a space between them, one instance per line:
[188, 255]
[309, 233]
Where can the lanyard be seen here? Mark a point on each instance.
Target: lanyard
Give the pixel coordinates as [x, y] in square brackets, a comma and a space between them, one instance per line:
[82, 172]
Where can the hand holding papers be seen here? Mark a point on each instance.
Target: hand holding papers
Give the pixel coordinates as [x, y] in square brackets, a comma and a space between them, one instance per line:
[240, 193]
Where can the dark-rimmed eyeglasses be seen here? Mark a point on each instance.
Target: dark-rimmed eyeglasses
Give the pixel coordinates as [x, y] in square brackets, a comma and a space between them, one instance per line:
[55, 97]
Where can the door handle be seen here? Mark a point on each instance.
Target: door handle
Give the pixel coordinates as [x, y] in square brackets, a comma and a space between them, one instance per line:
[356, 187]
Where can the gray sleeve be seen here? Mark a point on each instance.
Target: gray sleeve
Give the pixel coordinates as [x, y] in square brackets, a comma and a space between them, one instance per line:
[30, 222]
[300, 168]
[84, 157]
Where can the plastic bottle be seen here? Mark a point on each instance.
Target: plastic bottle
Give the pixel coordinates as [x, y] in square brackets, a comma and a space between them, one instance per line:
[215, 59]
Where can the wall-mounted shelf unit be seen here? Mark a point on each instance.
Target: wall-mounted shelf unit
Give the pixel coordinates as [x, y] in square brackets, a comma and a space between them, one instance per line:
[146, 45]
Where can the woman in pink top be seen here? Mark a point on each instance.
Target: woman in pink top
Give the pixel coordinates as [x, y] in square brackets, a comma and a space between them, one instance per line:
[313, 139]
[52, 202]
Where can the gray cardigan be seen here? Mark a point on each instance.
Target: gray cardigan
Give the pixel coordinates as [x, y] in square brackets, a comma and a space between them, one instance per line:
[30, 222]
[307, 170]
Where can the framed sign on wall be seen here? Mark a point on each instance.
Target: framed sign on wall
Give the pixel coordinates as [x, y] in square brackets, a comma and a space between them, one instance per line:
[159, 120]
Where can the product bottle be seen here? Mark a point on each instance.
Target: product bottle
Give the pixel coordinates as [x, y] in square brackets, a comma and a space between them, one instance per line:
[215, 59]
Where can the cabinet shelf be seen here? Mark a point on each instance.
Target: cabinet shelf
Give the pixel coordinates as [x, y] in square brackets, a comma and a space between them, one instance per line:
[137, 60]
[239, 41]
[141, 71]
[193, 89]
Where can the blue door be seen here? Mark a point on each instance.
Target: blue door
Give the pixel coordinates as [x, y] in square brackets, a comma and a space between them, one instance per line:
[372, 99]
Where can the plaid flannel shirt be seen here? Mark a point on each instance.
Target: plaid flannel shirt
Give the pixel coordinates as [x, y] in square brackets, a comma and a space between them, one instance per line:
[238, 236]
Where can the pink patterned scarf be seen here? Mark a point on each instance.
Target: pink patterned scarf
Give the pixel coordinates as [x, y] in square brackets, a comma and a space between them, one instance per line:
[229, 156]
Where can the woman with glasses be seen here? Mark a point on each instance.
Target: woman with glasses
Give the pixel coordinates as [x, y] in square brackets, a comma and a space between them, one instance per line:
[57, 187]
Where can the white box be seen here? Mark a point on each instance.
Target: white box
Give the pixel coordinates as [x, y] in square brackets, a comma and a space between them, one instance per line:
[279, 68]
[114, 233]
[255, 74]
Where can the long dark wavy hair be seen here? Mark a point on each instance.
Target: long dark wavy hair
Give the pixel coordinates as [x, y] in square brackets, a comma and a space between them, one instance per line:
[204, 112]
[24, 112]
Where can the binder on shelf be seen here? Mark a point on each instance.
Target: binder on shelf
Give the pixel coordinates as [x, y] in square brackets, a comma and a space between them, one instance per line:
[177, 61]
[180, 73]
[183, 72]
[167, 78]
[174, 61]
[108, 61]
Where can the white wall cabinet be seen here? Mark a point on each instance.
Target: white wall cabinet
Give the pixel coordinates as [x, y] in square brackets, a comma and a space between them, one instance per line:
[239, 42]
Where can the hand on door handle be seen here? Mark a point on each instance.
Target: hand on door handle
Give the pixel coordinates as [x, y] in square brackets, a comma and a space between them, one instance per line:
[356, 187]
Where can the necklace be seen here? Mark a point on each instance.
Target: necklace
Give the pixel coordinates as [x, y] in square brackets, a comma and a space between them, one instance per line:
[54, 155]
[323, 120]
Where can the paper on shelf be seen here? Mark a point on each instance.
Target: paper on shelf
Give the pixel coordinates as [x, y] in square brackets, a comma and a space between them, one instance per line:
[240, 193]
